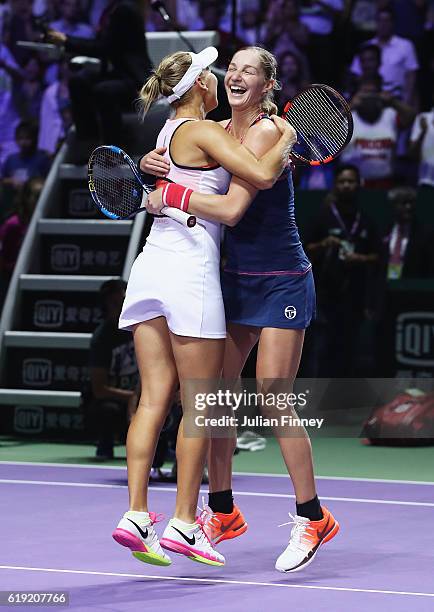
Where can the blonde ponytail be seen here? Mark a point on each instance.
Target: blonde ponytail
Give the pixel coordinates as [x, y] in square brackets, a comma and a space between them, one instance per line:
[168, 74]
[149, 93]
[268, 105]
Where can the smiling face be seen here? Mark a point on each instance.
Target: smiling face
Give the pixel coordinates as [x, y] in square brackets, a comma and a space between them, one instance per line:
[245, 81]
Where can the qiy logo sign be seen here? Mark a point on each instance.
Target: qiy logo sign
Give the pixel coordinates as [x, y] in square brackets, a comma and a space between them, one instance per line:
[28, 419]
[65, 258]
[37, 372]
[414, 341]
[48, 313]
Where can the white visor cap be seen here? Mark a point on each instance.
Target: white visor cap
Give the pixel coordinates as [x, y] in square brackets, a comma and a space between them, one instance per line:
[199, 61]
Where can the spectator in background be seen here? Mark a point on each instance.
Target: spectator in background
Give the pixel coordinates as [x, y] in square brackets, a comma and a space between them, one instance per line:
[343, 247]
[4, 12]
[408, 247]
[9, 72]
[320, 16]
[377, 118]
[370, 64]
[20, 26]
[284, 30]
[13, 230]
[399, 63]
[422, 146]
[121, 45]
[69, 22]
[113, 371]
[29, 162]
[252, 27]
[28, 90]
[407, 250]
[293, 76]
[55, 116]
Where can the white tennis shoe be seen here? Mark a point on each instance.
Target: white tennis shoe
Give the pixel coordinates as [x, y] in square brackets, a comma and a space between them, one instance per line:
[306, 539]
[141, 538]
[191, 540]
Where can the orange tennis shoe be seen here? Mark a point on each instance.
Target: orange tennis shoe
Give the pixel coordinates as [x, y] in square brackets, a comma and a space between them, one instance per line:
[306, 538]
[225, 526]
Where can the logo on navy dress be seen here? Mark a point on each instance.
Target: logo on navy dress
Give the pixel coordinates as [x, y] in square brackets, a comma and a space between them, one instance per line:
[290, 312]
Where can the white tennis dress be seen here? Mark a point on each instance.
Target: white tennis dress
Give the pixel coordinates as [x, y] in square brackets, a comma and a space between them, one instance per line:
[177, 275]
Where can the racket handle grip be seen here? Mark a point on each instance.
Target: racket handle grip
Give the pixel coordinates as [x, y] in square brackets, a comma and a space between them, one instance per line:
[179, 215]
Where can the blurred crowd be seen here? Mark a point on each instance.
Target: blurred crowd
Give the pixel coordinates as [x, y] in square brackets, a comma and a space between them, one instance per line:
[379, 53]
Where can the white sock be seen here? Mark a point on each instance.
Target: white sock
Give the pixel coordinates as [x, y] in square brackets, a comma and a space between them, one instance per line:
[142, 518]
[182, 524]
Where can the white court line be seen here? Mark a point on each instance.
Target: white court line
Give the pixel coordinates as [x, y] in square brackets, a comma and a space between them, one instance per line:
[254, 474]
[384, 480]
[85, 466]
[244, 493]
[217, 581]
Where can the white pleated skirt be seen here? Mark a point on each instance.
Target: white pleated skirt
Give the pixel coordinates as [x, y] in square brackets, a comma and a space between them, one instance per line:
[177, 276]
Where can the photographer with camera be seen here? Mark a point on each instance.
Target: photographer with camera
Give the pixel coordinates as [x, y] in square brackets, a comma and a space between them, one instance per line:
[378, 117]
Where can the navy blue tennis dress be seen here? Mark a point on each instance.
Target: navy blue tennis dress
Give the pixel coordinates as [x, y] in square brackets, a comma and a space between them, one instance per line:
[267, 280]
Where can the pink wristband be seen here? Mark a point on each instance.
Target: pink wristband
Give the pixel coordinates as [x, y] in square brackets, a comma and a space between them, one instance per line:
[176, 196]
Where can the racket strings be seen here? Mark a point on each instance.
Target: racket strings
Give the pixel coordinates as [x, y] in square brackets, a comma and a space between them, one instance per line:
[336, 114]
[327, 134]
[309, 135]
[340, 111]
[321, 122]
[312, 143]
[115, 187]
[335, 119]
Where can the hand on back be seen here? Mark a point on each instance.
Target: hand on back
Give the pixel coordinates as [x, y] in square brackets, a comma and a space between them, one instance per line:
[285, 129]
[154, 162]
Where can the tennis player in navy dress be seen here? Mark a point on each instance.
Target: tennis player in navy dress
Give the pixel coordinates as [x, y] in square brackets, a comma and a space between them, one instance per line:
[267, 280]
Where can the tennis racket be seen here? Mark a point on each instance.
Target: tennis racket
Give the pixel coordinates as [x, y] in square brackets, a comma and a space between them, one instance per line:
[117, 189]
[324, 124]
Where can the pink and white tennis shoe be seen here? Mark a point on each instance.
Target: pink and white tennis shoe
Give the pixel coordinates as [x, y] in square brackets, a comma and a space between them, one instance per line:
[141, 538]
[192, 541]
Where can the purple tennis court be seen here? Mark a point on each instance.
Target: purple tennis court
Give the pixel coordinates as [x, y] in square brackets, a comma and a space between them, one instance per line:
[57, 522]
